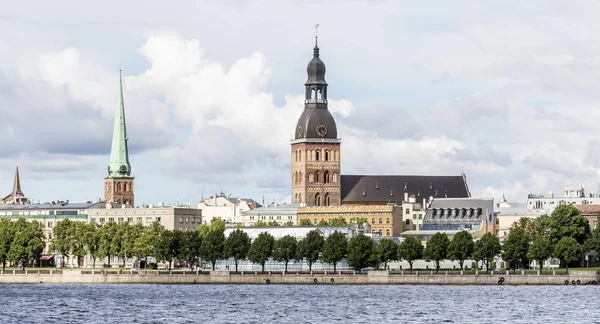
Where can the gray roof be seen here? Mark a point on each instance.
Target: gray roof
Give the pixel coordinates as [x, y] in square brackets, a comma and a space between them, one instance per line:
[387, 188]
[48, 206]
[462, 203]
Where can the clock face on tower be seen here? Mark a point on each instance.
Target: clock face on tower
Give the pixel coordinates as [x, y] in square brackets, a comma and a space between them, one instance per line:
[123, 168]
[321, 130]
[299, 131]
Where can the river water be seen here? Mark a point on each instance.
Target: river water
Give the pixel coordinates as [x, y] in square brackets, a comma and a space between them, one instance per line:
[297, 304]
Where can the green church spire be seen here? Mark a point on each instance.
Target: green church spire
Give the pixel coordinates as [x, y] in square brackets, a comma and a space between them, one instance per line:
[119, 166]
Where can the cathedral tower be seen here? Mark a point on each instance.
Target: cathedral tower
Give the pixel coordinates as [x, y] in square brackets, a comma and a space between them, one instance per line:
[316, 148]
[118, 185]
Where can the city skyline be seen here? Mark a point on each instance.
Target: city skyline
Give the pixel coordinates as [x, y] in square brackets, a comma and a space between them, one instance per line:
[438, 91]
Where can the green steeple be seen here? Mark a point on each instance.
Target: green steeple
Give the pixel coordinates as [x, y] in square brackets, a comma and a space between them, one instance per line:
[119, 166]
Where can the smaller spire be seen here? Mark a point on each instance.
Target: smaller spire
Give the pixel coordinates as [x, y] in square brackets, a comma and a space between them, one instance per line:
[17, 183]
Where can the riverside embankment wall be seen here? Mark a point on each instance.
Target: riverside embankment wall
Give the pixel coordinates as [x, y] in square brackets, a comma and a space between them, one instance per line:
[222, 277]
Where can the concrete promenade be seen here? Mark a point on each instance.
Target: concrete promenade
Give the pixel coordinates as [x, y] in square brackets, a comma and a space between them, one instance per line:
[33, 276]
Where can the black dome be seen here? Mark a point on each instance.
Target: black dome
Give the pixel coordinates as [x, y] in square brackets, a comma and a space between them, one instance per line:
[316, 69]
[316, 123]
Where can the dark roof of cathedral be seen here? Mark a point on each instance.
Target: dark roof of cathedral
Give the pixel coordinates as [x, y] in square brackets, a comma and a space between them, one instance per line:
[388, 188]
[312, 119]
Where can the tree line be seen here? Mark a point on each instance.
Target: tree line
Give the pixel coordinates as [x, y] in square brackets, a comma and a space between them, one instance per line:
[20, 241]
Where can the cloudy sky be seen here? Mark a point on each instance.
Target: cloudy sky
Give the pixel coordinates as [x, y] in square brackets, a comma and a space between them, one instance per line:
[506, 90]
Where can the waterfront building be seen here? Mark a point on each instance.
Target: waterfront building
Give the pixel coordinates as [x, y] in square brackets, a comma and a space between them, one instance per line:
[317, 182]
[226, 208]
[452, 215]
[16, 196]
[508, 216]
[118, 184]
[171, 217]
[282, 214]
[383, 220]
[573, 195]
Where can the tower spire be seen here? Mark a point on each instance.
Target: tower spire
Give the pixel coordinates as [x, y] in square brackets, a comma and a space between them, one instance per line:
[119, 165]
[17, 184]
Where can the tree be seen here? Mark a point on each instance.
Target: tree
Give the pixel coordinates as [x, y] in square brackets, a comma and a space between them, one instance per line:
[190, 247]
[386, 251]
[539, 226]
[261, 249]
[288, 223]
[216, 224]
[310, 247]
[567, 250]
[335, 249]
[273, 223]
[260, 223]
[108, 238]
[148, 243]
[7, 235]
[92, 241]
[78, 240]
[212, 246]
[237, 246]
[566, 221]
[323, 222]
[410, 249]
[305, 222]
[28, 243]
[437, 249]
[61, 239]
[593, 242]
[168, 245]
[285, 249]
[515, 245]
[540, 250]
[487, 249]
[360, 251]
[461, 247]
[130, 234]
[338, 221]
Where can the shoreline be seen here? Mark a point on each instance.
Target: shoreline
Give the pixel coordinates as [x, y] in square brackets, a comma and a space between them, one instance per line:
[326, 278]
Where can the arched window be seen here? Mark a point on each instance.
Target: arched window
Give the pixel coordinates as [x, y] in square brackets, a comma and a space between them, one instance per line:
[317, 155]
[318, 199]
[313, 94]
[319, 96]
[327, 200]
[119, 186]
[125, 186]
[316, 176]
[326, 176]
[334, 177]
[296, 198]
[337, 155]
[299, 156]
[310, 177]
[326, 155]
[300, 198]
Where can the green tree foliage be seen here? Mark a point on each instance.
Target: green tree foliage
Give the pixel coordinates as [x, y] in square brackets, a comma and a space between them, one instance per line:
[567, 250]
[539, 226]
[273, 223]
[168, 245]
[190, 247]
[360, 251]
[212, 245]
[323, 222]
[461, 247]
[437, 249]
[338, 221]
[410, 249]
[7, 235]
[78, 240]
[108, 241]
[540, 250]
[310, 247]
[486, 249]
[61, 238]
[335, 249]
[386, 251]
[130, 234]
[566, 221]
[28, 243]
[593, 242]
[305, 222]
[262, 249]
[216, 224]
[260, 223]
[237, 246]
[285, 249]
[515, 245]
[148, 242]
[288, 223]
[92, 241]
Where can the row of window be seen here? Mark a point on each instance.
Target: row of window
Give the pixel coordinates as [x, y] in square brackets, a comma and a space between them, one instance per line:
[43, 212]
[102, 220]
[316, 155]
[270, 217]
[380, 231]
[373, 221]
[188, 220]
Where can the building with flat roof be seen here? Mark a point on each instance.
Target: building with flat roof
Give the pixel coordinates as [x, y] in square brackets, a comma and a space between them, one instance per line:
[225, 207]
[171, 217]
[452, 215]
[384, 220]
[282, 214]
[573, 195]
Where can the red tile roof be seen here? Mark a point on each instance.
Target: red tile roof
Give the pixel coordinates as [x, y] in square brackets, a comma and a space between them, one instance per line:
[588, 209]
